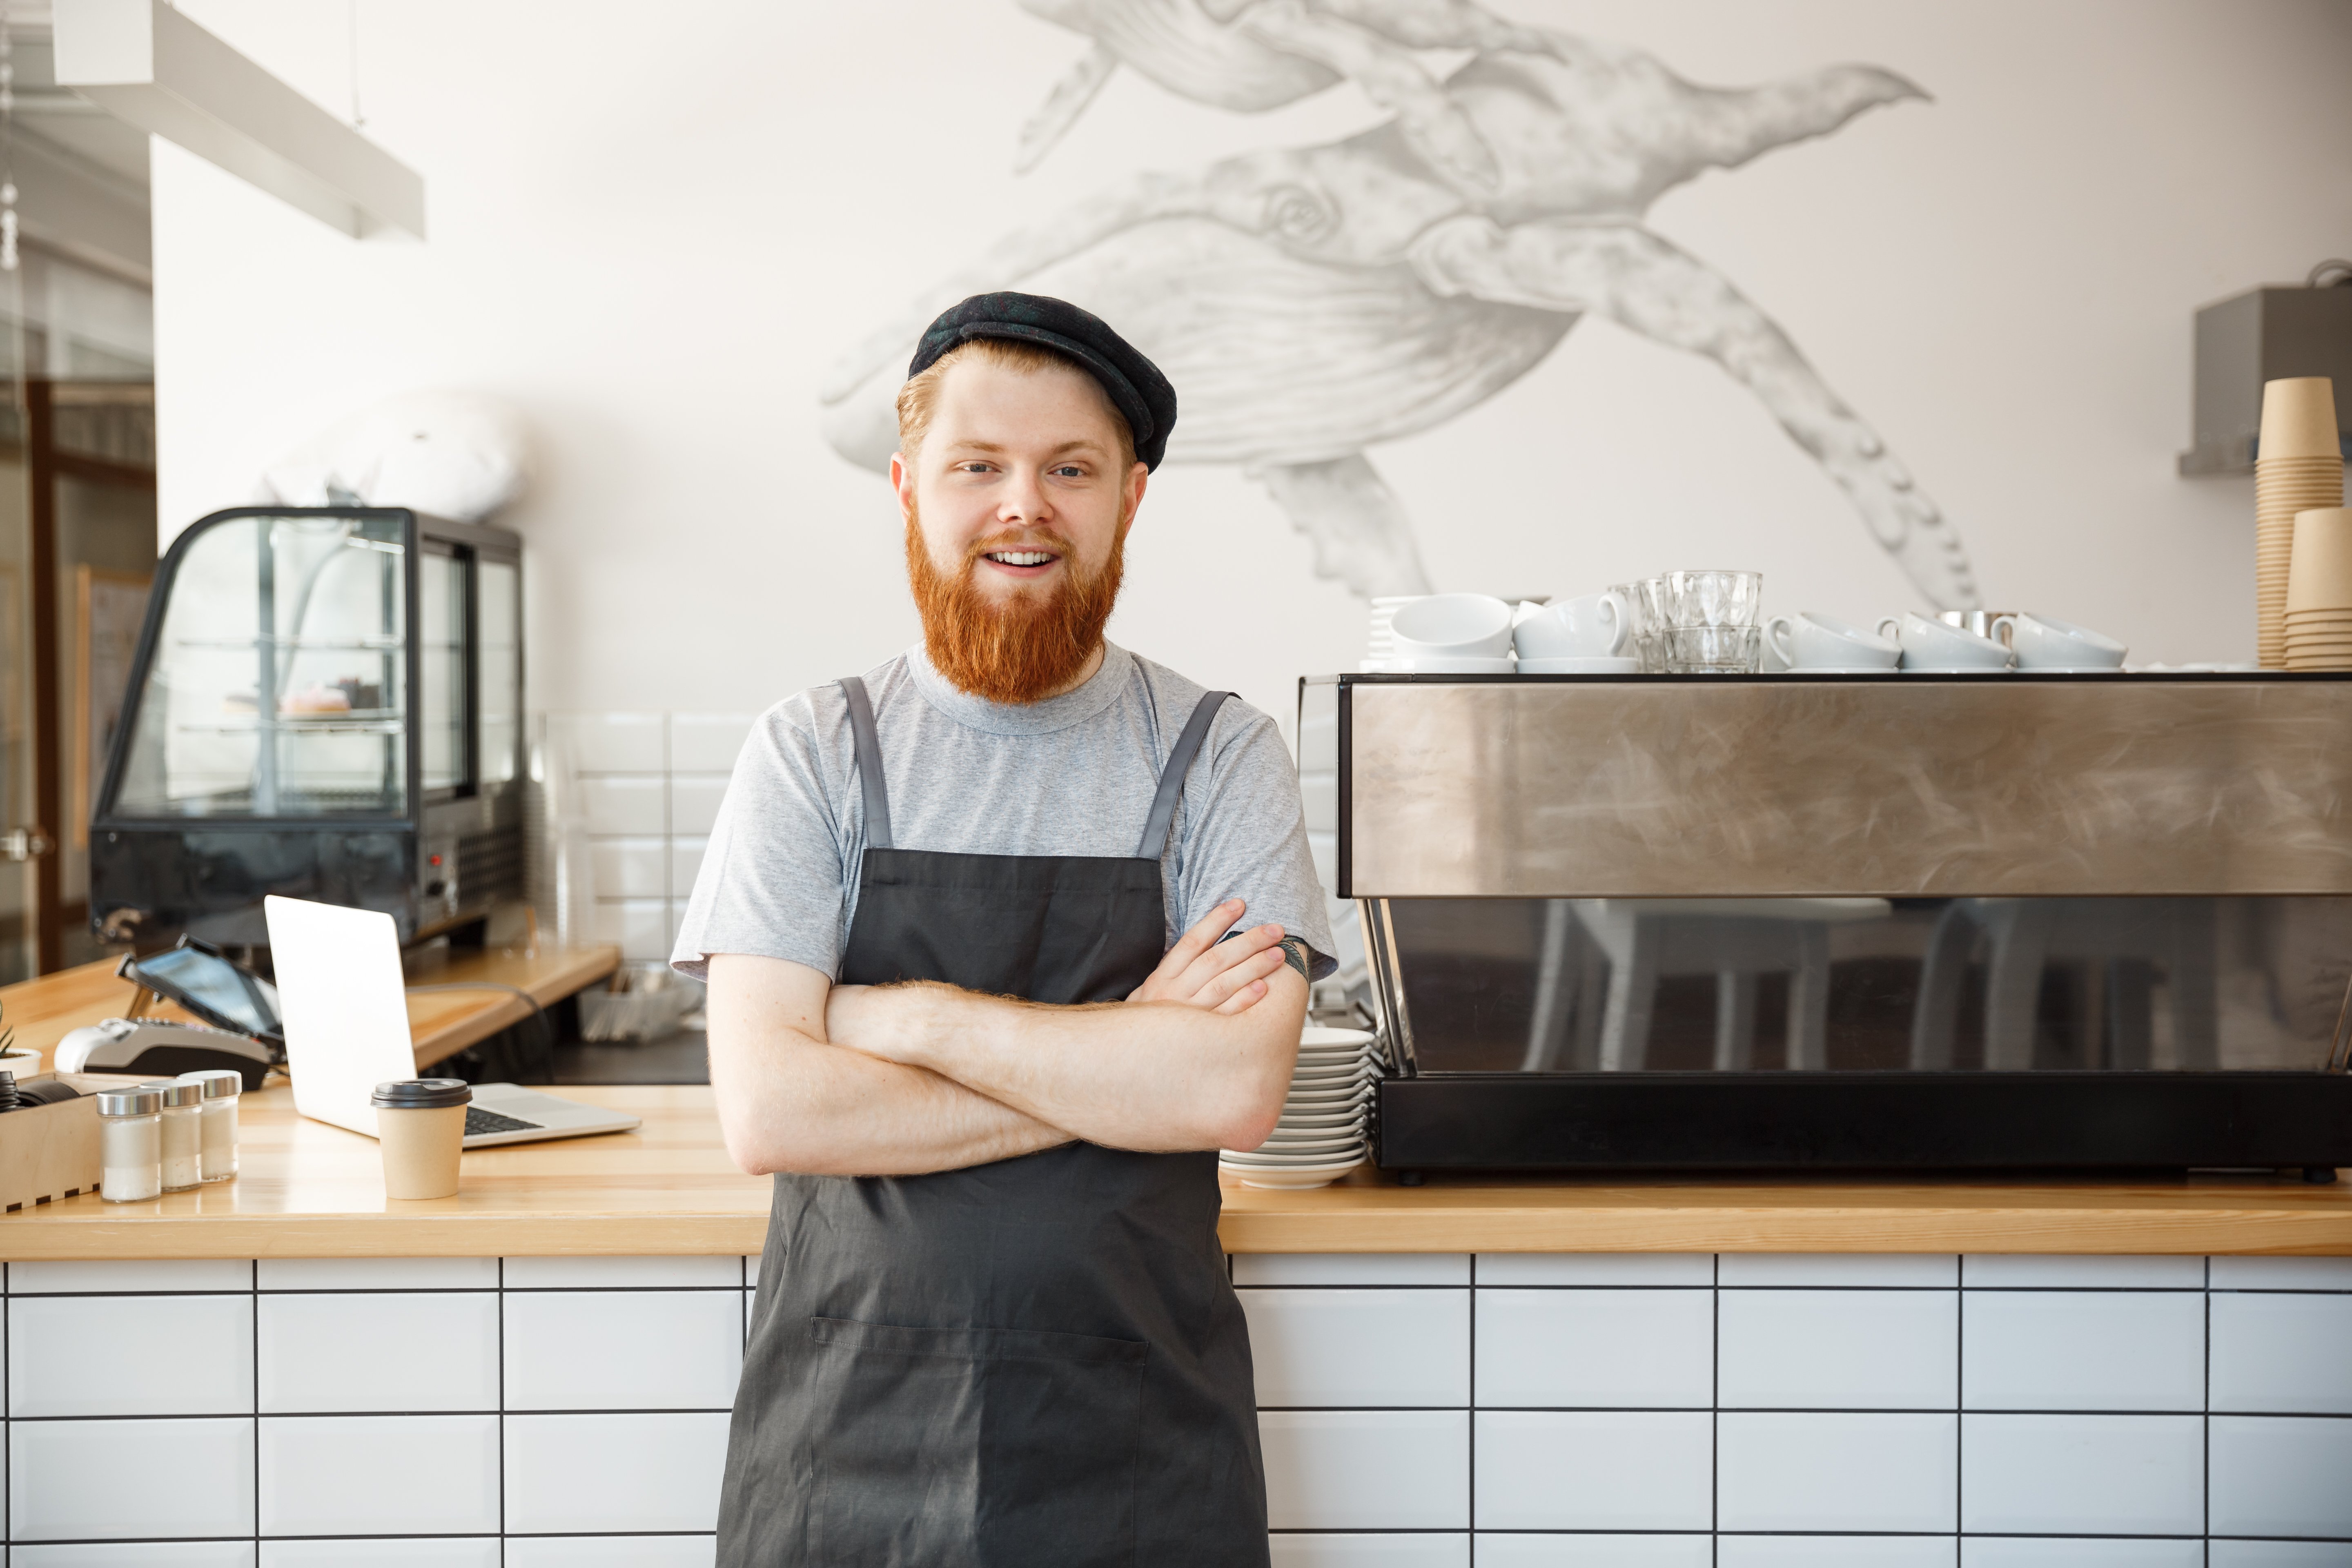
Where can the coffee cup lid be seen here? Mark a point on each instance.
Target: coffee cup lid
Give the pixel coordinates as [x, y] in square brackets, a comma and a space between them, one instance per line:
[422, 1094]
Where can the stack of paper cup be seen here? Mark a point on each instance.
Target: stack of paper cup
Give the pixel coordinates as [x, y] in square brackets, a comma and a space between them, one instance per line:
[1320, 1137]
[2319, 591]
[2298, 467]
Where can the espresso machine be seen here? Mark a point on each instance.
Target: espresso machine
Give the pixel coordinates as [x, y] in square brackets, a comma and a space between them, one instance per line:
[1833, 923]
[326, 702]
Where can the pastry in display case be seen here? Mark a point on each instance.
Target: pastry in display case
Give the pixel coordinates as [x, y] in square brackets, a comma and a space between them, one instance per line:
[327, 704]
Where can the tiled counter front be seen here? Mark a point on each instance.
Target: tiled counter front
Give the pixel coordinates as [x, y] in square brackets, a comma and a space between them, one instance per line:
[534, 1413]
[1753, 1410]
[1419, 1411]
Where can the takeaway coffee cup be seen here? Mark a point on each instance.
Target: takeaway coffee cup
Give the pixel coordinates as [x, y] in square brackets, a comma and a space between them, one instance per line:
[420, 1123]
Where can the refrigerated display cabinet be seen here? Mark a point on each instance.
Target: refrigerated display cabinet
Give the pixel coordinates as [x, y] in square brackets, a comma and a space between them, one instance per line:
[326, 703]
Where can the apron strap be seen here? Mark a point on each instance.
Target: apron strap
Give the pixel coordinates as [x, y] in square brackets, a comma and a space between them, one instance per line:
[1172, 780]
[869, 762]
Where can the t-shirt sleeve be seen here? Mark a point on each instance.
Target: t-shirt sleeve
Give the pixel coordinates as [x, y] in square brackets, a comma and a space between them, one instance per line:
[773, 883]
[1246, 836]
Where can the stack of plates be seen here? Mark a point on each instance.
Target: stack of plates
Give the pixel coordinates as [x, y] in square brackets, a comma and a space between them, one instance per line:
[1320, 1137]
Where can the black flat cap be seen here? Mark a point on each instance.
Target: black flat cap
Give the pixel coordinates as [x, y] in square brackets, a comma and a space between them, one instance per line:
[1136, 389]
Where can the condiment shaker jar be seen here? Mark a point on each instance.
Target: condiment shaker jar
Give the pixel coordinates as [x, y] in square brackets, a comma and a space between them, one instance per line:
[182, 1133]
[217, 1120]
[130, 1144]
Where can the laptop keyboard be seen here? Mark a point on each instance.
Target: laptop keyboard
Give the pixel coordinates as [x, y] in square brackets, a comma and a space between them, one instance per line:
[478, 1121]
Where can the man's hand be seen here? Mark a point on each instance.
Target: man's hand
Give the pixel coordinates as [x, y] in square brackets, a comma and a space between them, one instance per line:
[1226, 977]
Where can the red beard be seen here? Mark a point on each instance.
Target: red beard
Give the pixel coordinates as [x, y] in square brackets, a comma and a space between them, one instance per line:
[1024, 648]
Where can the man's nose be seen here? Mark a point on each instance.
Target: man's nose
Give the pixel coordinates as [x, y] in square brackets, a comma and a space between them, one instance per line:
[1023, 499]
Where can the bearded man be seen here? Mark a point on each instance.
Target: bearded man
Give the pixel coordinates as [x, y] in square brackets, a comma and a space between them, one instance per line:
[952, 1012]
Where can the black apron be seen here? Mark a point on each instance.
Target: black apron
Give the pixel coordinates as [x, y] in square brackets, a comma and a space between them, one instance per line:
[1038, 1363]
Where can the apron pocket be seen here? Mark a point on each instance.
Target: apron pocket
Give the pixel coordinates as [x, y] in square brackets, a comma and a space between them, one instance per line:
[985, 1447]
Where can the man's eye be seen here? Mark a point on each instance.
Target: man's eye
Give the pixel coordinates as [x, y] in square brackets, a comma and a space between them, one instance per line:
[1071, 471]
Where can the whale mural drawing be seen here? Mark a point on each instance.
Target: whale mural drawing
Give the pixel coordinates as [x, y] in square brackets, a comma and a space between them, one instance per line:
[1310, 302]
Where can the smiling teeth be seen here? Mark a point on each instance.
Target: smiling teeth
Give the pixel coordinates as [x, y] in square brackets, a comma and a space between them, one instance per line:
[1021, 557]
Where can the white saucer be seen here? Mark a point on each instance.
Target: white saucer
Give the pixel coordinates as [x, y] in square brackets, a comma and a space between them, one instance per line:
[2071, 669]
[1839, 670]
[1955, 669]
[1588, 664]
[1449, 665]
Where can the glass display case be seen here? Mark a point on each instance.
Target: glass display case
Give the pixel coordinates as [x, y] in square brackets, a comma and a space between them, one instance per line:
[2021, 920]
[326, 703]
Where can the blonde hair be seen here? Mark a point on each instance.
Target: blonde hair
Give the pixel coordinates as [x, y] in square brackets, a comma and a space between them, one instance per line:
[919, 399]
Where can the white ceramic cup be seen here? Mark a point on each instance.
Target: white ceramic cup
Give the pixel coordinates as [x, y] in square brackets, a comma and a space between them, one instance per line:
[1598, 626]
[2045, 642]
[1812, 640]
[1451, 625]
[1932, 644]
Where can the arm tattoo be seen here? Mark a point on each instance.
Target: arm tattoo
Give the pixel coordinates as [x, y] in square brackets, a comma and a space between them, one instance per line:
[1294, 952]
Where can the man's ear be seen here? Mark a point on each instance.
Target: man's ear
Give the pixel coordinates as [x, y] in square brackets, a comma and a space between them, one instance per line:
[1137, 476]
[902, 483]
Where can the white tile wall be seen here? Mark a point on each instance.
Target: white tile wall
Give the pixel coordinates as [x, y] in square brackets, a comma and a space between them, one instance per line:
[1366, 1469]
[1888, 1270]
[2283, 1475]
[2281, 1273]
[95, 1481]
[478, 1552]
[379, 1475]
[1693, 1268]
[377, 1274]
[612, 1552]
[1359, 1347]
[1839, 1349]
[131, 1355]
[2292, 1354]
[1588, 1428]
[620, 1273]
[2086, 1475]
[1595, 1551]
[614, 1473]
[1836, 1552]
[1998, 1551]
[137, 1554]
[379, 1352]
[2027, 1271]
[2276, 1554]
[623, 1350]
[1351, 1268]
[649, 786]
[1616, 1469]
[2095, 1350]
[1804, 1472]
[1372, 1551]
[1613, 1348]
[178, 1274]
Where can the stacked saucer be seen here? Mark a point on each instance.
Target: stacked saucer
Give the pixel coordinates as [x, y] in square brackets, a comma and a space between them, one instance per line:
[1380, 648]
[1320, 1137]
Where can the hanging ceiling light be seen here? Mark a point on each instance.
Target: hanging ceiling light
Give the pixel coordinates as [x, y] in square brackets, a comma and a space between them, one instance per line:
[147, 64]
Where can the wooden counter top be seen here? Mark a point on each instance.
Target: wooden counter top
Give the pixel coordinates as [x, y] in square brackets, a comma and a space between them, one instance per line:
[44, 1011]
[307, 1190]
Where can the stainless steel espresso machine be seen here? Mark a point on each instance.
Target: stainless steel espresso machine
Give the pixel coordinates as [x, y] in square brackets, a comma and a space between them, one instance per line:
[1652, 922]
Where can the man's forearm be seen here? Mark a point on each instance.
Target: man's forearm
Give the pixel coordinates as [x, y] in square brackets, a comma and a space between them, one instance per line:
[824, 1109]
[1133, 1075]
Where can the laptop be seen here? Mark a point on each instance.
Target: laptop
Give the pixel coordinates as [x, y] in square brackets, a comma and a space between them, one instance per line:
[345, 1013]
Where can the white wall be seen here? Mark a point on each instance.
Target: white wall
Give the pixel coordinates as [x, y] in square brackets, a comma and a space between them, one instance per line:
[653, 227]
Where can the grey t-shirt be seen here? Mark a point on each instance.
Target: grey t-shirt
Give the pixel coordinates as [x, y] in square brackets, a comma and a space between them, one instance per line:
[1074, 775]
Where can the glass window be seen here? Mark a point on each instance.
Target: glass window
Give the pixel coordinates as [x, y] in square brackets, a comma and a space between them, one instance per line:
[500, 585]
[276, 686]
[441, 651]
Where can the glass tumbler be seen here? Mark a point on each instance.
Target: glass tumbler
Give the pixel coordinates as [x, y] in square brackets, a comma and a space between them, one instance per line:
[1652, 599]
[1714, 651]
[1714, 598]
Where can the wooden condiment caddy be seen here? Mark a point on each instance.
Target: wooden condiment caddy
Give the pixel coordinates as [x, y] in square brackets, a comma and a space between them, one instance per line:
[51, 1151]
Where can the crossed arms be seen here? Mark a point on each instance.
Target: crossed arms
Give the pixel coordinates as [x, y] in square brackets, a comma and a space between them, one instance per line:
[866, 1080]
